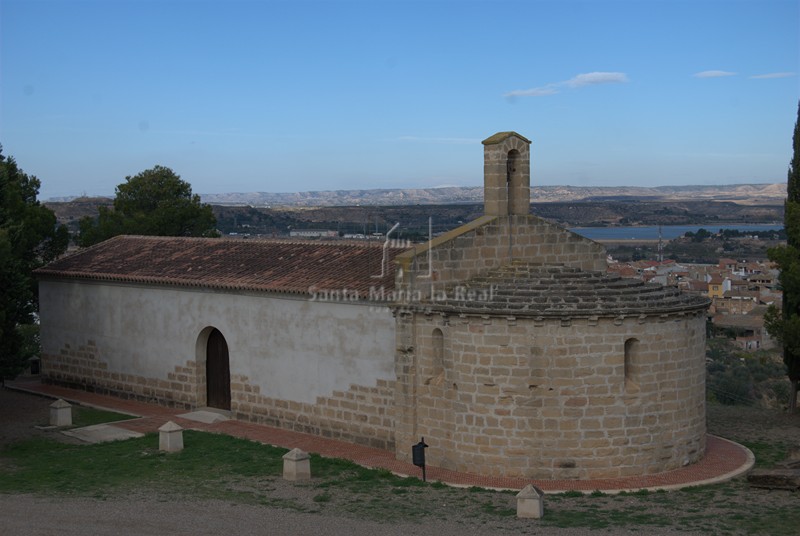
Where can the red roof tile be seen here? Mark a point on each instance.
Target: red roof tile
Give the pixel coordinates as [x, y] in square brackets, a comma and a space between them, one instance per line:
[698, 285]
[262, 265]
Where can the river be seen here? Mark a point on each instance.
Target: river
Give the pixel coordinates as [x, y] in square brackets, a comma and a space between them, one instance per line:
[668, 232]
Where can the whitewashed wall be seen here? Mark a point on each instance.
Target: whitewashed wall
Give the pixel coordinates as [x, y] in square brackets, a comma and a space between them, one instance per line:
[292, 348]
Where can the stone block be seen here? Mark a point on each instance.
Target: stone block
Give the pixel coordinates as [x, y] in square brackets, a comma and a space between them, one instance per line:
[170, 437]
[530, 502]
[60, 413]
[296, 465]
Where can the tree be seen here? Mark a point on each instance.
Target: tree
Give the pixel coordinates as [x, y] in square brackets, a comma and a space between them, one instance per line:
[155, 202]
[29, 238]
[701, 235]
[784, 324]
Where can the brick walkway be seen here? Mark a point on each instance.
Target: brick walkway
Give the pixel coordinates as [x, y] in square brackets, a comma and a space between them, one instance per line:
[723, 461]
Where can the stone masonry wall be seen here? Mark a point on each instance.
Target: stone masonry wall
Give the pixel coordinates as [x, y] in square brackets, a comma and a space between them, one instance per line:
[360, 414]
[553, 398]
[490, 242]
[507, 185]
[82, 368]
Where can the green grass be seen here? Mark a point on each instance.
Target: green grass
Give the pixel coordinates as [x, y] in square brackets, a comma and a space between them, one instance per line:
[216, 466]
[702, 509]
[47, 466]
[767, 454]
[343, 474]
[322, 498]
[210, 466]
[85, 416]
[598, 518]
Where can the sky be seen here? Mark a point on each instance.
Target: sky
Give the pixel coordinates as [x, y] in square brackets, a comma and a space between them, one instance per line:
[287, 96]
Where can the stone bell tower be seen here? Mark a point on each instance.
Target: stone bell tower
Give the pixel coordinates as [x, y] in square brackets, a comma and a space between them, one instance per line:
[506, 175]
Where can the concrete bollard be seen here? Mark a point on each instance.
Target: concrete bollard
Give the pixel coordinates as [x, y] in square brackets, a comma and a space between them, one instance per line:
[296, 465]
[170, 437]
[60, 413]
[530, 502]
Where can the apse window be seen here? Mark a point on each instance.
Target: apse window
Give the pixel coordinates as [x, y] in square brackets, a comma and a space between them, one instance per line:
[631, 365]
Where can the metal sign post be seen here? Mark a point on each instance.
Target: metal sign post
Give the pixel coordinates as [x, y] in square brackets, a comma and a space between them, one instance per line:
[418, 455]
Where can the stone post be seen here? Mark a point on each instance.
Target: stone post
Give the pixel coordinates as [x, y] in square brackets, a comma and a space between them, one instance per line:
[170, 437]
[60, 413]
[296, 465]
[530, 502]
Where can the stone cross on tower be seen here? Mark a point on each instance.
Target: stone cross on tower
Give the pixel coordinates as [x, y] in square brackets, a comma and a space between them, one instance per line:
[506, 175]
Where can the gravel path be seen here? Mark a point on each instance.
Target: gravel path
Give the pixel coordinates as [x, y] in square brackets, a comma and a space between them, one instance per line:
[79, 517]
[25, 515]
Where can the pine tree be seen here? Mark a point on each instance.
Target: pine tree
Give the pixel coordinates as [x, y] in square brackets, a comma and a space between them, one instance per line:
[29, 238]
[156, 202]
[784, 324]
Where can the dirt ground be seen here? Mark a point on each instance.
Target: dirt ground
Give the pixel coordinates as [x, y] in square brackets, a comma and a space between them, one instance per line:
[20, 414]
[156, 515]
[752, 424]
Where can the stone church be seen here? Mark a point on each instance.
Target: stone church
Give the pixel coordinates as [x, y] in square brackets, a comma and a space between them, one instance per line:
[503, 342]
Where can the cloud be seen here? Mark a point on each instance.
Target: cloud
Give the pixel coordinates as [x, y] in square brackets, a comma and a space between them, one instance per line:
[533, 92]
[773, 75]
[713, 74]
[581, 80]
[590, 79]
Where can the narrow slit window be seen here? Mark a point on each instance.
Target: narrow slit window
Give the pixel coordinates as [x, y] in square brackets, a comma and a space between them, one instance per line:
[631, 364]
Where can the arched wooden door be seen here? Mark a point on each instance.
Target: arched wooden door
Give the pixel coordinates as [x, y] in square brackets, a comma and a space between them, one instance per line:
[218, 372]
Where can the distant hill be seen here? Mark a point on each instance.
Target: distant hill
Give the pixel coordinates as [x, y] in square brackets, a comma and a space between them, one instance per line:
[757, 194]
[360, 211]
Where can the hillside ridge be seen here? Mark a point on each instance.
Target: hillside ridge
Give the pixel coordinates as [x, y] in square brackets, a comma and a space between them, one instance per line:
[765, 193]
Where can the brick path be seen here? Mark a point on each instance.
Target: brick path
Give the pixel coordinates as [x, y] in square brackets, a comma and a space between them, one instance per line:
[723, 460]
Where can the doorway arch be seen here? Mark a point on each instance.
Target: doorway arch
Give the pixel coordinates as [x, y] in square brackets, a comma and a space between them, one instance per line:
[218, 371]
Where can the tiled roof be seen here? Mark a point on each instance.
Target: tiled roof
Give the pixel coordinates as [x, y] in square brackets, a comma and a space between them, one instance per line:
[522, 289]
[500, 137]
[698, 285]
[260, 265]
[623, 270]
[755, 319]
